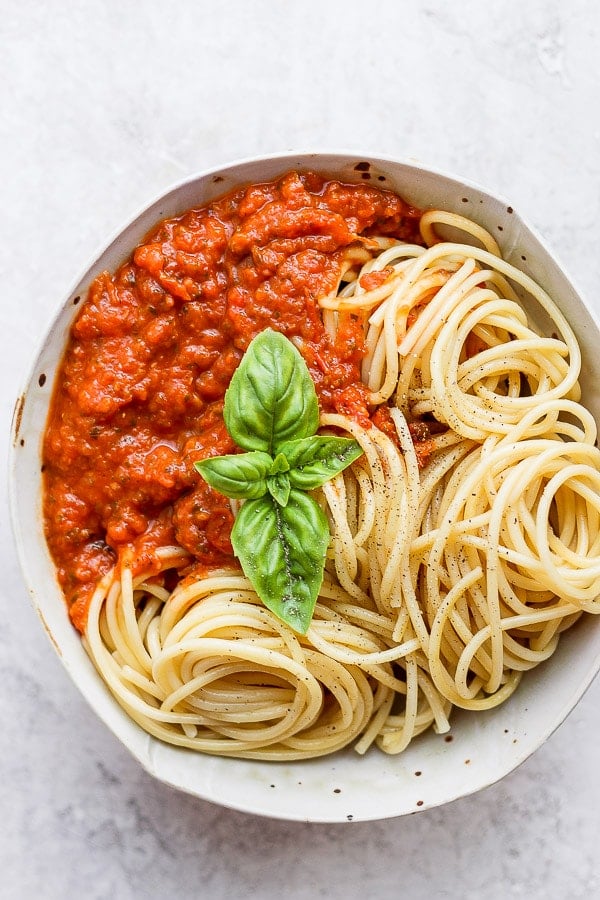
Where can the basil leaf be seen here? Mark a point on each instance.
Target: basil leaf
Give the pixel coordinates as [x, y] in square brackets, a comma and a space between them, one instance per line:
[314, 460]
[271, 398]
[280, 534]
[280, 464]
[239, 475]
[282, 552]
[279, 487]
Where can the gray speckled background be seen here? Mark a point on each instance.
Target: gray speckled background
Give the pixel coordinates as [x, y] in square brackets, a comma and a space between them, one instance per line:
[105, 103]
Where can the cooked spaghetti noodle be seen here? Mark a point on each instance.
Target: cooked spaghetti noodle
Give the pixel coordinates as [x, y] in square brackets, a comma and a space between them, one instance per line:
[455, 562]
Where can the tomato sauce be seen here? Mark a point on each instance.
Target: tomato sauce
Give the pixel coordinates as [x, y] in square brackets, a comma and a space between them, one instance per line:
[152, 351]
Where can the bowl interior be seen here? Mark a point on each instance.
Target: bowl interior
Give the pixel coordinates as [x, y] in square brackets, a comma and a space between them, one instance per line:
[484, 746]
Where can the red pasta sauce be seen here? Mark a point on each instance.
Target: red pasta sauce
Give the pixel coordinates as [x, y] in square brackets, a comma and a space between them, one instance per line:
[140, 390]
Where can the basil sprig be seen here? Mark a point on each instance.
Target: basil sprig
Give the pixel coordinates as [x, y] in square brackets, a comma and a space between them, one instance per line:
[280, 534]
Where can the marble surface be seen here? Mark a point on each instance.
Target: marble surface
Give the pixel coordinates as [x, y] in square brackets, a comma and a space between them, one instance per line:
[105, 103]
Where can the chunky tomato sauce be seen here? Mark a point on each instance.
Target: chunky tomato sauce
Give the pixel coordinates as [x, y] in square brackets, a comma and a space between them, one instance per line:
[140, 389]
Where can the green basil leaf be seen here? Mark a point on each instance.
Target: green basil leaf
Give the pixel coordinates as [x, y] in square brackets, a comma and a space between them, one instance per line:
[279, 487]
[271, 398]
[314, 460]
[280, 464]
[282, 551]
[239, 475]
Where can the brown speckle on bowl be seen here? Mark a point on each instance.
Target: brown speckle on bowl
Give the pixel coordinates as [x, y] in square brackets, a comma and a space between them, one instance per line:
[362, 167]
[76, 300]
[418, 773]
[419, 803]
[18, 414]
[449, 738]
[42, 379]
[337, 790]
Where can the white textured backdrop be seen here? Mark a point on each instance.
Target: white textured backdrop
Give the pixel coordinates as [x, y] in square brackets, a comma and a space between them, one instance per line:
[102, 105]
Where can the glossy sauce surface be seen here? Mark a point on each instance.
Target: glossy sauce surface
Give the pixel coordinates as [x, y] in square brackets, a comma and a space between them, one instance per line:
[139, 394]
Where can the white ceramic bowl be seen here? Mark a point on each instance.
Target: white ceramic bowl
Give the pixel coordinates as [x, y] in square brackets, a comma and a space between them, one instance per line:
[343, 787]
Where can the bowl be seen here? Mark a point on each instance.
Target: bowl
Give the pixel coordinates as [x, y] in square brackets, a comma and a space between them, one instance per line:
[484, 747]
